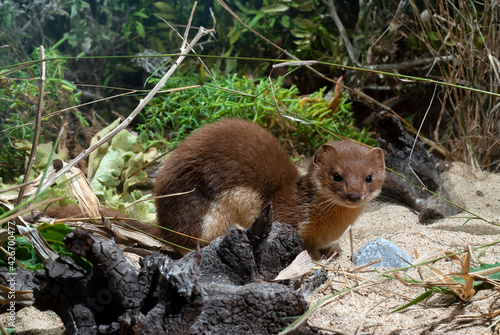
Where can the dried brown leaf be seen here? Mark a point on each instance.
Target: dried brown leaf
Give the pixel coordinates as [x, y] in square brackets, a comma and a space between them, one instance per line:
[300, 266]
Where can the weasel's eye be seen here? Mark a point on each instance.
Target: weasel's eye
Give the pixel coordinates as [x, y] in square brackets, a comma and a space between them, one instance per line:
[369, 179]
[337, 177]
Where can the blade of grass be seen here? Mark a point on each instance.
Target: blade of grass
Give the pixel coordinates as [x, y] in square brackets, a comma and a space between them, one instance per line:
[415, 301]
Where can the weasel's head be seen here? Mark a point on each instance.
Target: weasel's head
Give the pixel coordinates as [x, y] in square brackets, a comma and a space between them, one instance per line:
[348, 174]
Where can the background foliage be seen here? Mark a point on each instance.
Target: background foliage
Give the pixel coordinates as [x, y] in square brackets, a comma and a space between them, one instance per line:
[18, 105]
[171, 117]
[123, 44]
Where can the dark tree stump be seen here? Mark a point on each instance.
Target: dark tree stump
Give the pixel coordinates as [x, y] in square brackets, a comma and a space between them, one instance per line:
[61, 287]
[398, 145]
[219, 289]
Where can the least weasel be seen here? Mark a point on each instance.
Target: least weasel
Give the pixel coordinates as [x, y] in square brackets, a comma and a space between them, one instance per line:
[235, 167]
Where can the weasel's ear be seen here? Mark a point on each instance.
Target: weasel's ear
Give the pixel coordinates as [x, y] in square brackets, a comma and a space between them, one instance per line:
[326, 150]
[378, 156]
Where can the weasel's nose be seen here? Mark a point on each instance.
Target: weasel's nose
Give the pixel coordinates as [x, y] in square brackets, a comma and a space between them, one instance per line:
[354, 197]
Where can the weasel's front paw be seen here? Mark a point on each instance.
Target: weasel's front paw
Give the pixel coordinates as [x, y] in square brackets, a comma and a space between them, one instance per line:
[331, 250]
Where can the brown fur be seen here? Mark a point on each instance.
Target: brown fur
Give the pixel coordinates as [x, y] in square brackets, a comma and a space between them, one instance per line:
[235, 167]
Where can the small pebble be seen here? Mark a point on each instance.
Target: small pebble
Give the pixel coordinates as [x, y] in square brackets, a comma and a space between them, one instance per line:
[391, 255]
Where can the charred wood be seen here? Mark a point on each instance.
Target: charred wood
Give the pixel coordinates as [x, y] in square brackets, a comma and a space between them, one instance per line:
[220, 288]
[415, 163]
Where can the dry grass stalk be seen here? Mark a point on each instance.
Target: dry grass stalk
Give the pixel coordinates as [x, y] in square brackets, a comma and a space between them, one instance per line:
[38, 124]
[32, 235]
[81, 189]
[471, 37]
[31, 188]
[23, 298]
[185, 49]
[134, 240]
[91, 207]
[480, 316]
[431, 278]
[441, 279]
[92, 210]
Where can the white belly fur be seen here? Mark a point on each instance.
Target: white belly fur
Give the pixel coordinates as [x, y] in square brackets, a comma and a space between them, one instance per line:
[238, 207]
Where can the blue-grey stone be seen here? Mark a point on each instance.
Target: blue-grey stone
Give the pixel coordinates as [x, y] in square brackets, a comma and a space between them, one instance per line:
[391, 255]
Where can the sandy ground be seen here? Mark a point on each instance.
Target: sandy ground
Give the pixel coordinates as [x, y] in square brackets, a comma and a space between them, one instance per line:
[30, 320]
[367, 309]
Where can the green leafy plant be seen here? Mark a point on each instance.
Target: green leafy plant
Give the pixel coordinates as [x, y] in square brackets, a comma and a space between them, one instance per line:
[18, 105]
[115, 173]
[53, 235]
[302, 123]
[84, 28]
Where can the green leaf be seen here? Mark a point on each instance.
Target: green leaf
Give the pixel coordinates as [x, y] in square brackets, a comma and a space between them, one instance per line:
[243, 8]
[256, 19]
[166, 16]
[140, 28]
[328, 44]
[141, 15]
[164, 7]
[54, 232]
[68, 85]
[23, 253]
[235, 37]
[483, 266]
[285, 21]
[232, 30]
[131, 178]
[32, 261]
[116, 166]
[8, 19]
[278, 8]
[434, 36]
[108, 173]
[299, 23]
[308, 23]
[306, 7]
[82, 119]
[43, 152]
[230, 65]
[126, 141]
[418, 299]
[22, 145]
[228, 52]
[299, 33]
[96, 156]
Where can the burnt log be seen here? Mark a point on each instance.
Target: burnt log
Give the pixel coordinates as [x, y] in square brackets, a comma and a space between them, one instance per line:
[312, 283]
[61, 287]
[220, 288]
[20, 280]
[414, 162]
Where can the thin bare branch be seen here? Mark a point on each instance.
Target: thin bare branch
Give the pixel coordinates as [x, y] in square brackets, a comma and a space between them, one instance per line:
[352, 51]
[38, 122]
[201, 32]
